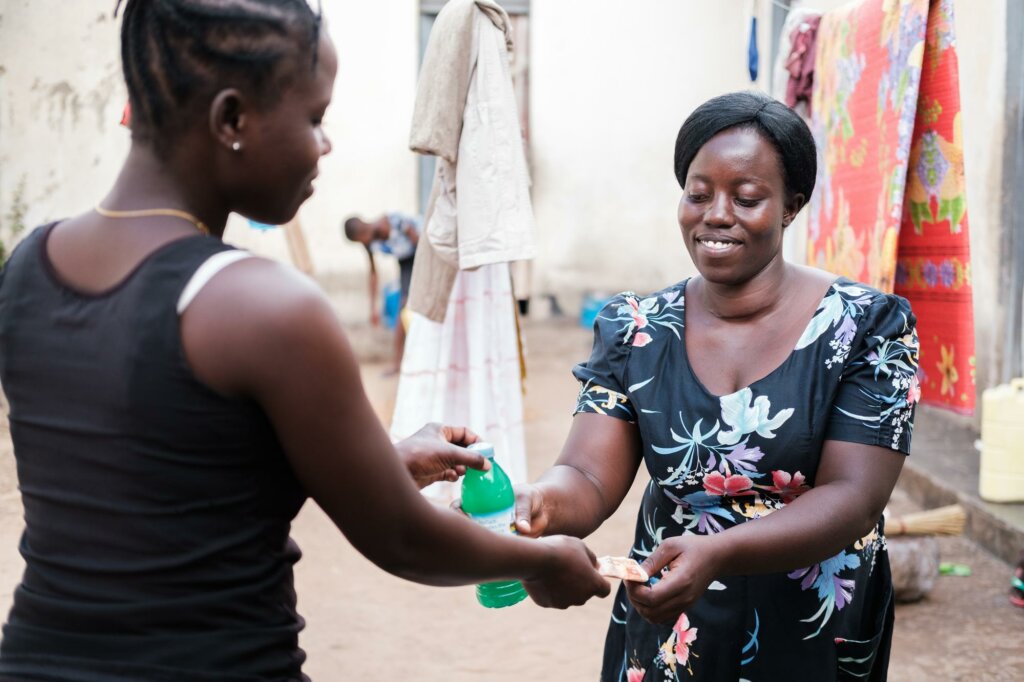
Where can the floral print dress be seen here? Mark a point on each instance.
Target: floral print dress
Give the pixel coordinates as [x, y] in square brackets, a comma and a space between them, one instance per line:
[718, 461]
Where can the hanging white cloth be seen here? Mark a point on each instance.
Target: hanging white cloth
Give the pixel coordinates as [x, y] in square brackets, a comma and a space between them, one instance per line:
[462, 362]
[466, 371]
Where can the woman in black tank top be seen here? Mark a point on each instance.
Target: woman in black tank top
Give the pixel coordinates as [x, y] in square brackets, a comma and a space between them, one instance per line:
[164, 443]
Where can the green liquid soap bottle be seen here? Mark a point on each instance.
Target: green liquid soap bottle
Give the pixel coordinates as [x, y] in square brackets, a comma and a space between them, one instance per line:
[488, 499]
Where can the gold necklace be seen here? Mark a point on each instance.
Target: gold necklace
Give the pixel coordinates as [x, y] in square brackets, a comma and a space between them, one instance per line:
[150, 212]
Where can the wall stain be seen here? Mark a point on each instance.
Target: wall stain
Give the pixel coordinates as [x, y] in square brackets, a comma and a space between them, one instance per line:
[63, 100]
[99, 98]
[13, 223]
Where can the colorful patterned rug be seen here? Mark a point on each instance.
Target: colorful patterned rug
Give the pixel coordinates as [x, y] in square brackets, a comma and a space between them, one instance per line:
[890, 206]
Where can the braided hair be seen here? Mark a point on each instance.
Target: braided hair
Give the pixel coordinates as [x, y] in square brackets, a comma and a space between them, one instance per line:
[176, 54]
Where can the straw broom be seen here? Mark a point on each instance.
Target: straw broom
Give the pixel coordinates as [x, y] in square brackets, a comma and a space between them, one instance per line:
[942, 521]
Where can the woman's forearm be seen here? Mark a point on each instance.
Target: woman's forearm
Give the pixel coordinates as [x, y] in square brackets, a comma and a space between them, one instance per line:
[854, 483]
[812, 528]
[594, 471]
[441, 547]
[575, 503]
[444, 548]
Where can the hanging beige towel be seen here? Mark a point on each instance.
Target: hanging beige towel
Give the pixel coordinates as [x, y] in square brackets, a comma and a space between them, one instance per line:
[445, 76]
[465, 113]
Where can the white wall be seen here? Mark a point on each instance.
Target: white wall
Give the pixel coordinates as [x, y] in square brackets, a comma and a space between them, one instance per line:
[611, 83]
[370, 170]
[982, 50]
[61, 96]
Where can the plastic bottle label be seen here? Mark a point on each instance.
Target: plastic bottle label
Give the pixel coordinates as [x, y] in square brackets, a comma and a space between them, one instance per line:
[499, 522]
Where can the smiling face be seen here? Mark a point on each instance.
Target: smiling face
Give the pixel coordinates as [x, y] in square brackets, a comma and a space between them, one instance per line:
[735, 206]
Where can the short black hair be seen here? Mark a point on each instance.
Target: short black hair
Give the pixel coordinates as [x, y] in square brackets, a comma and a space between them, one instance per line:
[175, 53]
[776, 122]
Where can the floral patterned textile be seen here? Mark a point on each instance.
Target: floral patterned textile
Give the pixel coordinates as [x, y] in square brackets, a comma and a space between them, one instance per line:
[718, 461]
[890, 205]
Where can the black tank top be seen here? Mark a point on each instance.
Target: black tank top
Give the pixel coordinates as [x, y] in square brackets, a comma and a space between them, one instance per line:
[157, 512]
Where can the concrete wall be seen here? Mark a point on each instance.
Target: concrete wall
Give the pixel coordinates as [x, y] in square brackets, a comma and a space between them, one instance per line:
[370, 170]
[610, 84]
[61, 96]
[607, 98]
[982, 49]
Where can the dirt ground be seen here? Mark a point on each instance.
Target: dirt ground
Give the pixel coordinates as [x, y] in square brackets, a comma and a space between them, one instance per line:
[362, 624]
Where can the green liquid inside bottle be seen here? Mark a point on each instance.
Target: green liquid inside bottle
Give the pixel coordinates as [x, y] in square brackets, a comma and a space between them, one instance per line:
[488, 498]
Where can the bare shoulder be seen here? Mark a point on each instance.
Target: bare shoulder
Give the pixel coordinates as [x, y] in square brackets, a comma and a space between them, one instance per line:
[250, 318]
[813, 283]
[813, 277]
[260, 295]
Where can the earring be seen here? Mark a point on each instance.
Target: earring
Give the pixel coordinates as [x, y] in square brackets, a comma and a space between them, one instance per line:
[236, 146]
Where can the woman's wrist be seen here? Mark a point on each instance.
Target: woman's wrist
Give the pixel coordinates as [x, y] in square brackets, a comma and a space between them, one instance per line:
[584, 511]
[542, 507]
[539, 559]
[720, 553]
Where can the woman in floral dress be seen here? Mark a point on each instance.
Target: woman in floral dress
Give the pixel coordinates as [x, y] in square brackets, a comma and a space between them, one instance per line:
[772, 405]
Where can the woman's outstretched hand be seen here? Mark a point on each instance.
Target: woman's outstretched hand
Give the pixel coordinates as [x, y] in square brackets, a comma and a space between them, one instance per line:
[438, 453]
[569, 578]
[531, 517]
[691, 568]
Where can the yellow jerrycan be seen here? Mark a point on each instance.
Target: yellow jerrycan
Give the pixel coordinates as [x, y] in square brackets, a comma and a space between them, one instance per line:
[1001, 478]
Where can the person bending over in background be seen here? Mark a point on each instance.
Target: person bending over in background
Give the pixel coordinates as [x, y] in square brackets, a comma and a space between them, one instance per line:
[394, 234]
